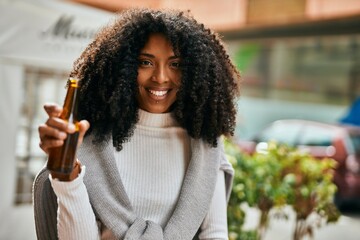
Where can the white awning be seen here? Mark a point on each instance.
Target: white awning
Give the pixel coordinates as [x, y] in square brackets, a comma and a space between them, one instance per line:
[49, 33]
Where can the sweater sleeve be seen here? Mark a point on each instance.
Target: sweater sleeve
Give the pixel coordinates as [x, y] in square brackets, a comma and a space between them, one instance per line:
[75, 217]
[228, 169]
[214, 225]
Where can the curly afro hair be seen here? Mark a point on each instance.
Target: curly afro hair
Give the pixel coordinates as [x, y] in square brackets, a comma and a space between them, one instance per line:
[206, 101]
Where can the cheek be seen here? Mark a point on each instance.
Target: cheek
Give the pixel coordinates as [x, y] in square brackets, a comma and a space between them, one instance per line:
[141, 78]
[177, 80]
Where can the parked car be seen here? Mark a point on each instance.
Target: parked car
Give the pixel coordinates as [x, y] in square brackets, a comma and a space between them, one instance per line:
[340, 142]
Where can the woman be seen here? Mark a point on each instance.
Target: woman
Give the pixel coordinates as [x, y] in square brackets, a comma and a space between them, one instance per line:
[157, 91]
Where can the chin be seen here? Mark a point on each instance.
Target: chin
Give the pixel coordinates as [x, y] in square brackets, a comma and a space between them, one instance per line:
[159, 110]
[155, 109]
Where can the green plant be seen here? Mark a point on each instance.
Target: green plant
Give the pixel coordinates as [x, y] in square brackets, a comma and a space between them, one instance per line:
[281, 176]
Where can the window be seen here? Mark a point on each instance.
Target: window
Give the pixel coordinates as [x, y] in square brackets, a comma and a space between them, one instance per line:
[317, 136]
[321, 70]
[355, 140]
[281, 132]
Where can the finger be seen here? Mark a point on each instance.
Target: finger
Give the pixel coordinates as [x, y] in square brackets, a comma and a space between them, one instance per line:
[49, 132]
[50, 143]
[52, 109]
[60, 124]
[84, 125]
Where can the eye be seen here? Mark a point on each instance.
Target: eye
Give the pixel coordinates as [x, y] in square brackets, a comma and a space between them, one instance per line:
[175, 64]
[145, 63]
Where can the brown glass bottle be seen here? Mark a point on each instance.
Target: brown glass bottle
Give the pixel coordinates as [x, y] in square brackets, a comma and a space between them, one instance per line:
[61, 159]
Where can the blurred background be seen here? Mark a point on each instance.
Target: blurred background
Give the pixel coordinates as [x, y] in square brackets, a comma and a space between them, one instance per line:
[299, 59]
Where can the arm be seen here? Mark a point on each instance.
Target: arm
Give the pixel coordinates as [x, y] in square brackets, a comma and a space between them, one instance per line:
[72, 198]
[214, 225]
[75, 217]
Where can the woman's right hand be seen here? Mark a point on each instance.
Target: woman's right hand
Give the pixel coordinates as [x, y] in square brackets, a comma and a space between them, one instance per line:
[54, 131]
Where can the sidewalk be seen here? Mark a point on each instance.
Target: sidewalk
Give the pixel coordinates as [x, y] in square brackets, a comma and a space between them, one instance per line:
[17, 223]
[347, 227]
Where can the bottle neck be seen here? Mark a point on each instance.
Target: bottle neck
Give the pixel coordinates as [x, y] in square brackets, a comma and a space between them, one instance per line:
[70, 107]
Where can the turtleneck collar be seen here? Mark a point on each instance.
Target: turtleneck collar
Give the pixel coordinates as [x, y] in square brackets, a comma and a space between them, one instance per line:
[156, 119]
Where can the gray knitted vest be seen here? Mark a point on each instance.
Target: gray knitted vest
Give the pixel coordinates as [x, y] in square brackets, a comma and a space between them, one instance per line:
[111, 203]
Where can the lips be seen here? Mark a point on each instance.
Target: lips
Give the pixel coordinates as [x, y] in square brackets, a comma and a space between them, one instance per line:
[158, 94]
[156, 99]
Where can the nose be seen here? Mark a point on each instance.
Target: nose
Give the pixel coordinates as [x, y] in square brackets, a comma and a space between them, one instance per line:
[160, 75]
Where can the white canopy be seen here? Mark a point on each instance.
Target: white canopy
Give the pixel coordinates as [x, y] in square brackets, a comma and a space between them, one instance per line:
[48, 33]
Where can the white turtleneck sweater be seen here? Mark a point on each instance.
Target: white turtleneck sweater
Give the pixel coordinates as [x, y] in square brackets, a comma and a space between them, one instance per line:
[152, 167]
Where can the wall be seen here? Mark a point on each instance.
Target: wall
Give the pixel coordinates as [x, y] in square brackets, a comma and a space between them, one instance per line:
[12, 218]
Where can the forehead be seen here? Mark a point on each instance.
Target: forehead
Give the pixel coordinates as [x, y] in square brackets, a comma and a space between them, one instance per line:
[158, 42]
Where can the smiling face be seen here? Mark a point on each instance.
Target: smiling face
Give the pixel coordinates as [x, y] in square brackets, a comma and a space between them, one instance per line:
[159, 75]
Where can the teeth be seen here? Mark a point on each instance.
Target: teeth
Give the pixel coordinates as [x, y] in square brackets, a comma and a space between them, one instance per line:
[158, 93]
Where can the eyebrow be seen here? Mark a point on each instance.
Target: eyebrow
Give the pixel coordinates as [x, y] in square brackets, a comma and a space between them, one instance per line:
[152, 56]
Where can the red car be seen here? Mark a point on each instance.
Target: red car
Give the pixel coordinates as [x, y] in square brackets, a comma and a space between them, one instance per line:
[340, 142]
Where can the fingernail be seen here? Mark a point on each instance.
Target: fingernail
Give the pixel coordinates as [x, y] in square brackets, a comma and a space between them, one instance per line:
[63, 135]
[71, 127]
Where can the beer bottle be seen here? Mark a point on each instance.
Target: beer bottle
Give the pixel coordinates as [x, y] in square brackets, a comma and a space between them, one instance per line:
[61, 159]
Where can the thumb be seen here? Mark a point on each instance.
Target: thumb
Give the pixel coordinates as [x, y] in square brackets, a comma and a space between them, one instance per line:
[84, 125]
